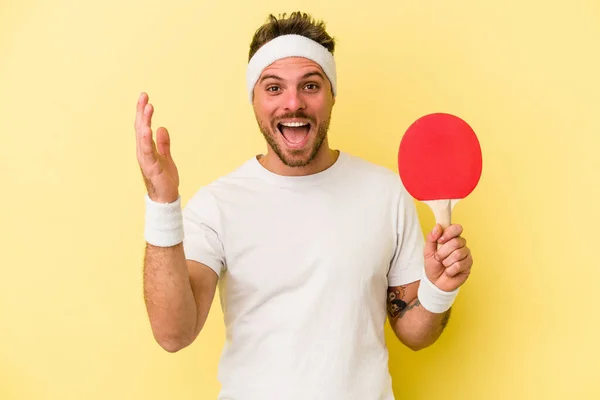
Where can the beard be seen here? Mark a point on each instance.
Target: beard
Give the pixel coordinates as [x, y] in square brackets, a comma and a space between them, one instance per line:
[294, 157]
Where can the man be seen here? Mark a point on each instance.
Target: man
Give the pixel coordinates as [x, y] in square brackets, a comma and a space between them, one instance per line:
[310, 246]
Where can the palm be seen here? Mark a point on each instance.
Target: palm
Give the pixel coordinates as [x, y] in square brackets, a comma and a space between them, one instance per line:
[157, 166]
[164, 172]
[162, 176]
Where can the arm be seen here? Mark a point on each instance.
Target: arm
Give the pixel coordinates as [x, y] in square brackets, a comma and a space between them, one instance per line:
[413, 325]
[178, 295]
[447, 266]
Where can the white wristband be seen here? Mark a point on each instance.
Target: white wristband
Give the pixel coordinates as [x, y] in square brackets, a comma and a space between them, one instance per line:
[164, 223]
[433, 298]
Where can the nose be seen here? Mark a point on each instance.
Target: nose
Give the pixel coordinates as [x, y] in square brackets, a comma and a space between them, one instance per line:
[293, 101]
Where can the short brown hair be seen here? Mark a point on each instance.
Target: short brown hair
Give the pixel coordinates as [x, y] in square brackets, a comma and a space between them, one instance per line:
[297, 23]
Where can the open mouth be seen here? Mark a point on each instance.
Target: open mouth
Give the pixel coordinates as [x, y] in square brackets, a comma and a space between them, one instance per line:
[295, 134]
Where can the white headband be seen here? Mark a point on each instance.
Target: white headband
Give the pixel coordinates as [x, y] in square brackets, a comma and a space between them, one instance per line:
[289, 46]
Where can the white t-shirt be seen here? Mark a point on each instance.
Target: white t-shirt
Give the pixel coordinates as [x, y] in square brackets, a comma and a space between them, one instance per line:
[304, 265]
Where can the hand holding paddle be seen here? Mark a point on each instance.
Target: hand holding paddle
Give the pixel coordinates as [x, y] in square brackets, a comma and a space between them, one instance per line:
[158, 168]
[448, 260]
[440, 163]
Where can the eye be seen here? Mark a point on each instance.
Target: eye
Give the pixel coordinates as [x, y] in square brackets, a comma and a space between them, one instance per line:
[311, 86]
[272, 88]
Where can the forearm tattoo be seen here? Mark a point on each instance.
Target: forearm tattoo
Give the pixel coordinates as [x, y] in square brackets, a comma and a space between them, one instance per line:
[395, 302]
[396, 306]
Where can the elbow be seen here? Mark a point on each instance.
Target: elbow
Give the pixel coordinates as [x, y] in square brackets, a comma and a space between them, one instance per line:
[416, 343]
[172, 343]
[171, 346]
[417, 346]
[172, 337]
[416, 340]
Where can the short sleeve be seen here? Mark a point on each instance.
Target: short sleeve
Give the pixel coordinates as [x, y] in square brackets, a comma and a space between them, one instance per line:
[408, 262]
[202, 227]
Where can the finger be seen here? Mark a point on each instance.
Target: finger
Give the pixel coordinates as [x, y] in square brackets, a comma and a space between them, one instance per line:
[142, 100]
[451, 232]
[163, 142]
[449, 247]
[455, 256]
[431, 241]
[145, 129]
[147, 116]
[147, 147]
[460, 267]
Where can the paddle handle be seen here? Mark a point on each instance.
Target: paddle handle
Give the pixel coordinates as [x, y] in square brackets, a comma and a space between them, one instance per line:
[442, 211]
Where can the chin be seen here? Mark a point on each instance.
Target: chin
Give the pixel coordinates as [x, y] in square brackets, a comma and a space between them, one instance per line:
[296, 161]
[299, 157]
[296, 155]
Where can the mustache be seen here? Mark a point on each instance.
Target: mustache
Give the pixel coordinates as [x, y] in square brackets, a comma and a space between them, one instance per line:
[299, 114]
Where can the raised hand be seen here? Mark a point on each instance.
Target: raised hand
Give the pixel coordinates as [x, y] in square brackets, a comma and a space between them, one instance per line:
[158, 168]
[448, 260]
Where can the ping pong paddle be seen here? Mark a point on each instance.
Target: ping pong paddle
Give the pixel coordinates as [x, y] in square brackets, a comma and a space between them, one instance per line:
[440, 162]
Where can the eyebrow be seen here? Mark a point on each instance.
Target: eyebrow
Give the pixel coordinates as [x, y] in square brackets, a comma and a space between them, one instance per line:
[307, 75]
[312, 73]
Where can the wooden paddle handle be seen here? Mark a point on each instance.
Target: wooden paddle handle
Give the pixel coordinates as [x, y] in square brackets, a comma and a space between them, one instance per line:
[442, 210]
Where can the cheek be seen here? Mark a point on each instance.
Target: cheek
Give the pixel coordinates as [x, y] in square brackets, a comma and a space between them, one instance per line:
[323, 108]
[263, 106]
[264, 115]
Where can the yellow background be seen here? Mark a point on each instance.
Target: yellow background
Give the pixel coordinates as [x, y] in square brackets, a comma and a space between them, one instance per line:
[524, 74]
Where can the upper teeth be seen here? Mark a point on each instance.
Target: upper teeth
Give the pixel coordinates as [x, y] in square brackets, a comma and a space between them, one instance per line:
[294, 124]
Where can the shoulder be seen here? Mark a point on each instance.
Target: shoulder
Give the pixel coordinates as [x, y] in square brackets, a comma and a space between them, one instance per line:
[225, 186]
[373, 174]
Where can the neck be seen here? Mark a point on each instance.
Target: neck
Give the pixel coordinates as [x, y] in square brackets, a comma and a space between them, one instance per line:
[324, 159]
